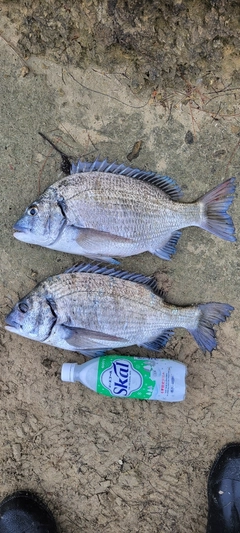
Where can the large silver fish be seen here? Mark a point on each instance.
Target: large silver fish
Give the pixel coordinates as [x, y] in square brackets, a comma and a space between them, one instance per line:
[103, 210]
[91, 309]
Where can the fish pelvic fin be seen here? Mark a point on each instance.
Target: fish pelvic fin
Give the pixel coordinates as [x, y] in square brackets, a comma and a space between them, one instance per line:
[104, 258]
[93, 353]
[216, 203]
[210, 314]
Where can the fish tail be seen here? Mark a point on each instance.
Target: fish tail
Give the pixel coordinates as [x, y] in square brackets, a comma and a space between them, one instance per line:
[210, 314]
[216, 220]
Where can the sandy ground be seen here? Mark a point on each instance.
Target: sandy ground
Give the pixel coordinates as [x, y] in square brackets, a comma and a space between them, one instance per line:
[111, 464]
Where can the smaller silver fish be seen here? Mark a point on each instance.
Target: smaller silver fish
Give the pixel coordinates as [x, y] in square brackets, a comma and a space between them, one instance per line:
[92, 309]
[104, 210]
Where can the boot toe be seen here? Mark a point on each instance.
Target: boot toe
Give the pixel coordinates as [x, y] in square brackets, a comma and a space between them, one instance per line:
[23, 512]
[224, 492]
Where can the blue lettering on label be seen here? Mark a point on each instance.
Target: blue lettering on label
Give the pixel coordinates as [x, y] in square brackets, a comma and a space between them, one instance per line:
[121, 379]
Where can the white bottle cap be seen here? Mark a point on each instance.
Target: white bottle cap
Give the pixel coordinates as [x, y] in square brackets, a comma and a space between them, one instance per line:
[67, 373]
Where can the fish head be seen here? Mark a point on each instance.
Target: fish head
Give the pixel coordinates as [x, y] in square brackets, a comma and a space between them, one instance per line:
[32, 317]
[43, 219]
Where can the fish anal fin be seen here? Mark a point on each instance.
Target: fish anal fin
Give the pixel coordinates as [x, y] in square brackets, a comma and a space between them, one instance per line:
[169, 248]
[160, 341]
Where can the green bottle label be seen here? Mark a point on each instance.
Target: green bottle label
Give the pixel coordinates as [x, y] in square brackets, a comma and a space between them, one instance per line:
[131, 377]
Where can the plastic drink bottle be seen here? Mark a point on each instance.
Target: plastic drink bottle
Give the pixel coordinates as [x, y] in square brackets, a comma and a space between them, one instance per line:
[130, 377]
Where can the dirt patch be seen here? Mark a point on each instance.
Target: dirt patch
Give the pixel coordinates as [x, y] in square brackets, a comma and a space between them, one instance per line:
[156, 43]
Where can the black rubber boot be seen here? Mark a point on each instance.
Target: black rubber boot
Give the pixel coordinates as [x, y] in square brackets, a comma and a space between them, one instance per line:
[224, 492]
[23, 512]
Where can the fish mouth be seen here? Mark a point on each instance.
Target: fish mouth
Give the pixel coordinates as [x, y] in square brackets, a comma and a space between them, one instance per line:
[11, 324]
[16, 329]
[21, 232]
[20, 229]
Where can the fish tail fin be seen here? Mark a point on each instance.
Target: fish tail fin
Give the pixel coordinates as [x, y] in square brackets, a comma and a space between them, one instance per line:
[216, 203]
[210, 314]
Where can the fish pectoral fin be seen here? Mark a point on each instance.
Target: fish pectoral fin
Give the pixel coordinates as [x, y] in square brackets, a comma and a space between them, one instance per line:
[169, 247]
[88, 339]
[91, 239]
[96, 244]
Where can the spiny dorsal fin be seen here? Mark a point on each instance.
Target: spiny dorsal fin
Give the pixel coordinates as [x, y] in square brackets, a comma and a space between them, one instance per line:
[166, 184]
[93, 268]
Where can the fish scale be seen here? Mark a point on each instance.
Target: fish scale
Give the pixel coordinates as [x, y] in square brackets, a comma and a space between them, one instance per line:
[120, 299]
[132, 201]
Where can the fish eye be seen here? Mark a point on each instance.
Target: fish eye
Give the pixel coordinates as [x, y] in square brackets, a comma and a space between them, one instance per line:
[32, 210]
[23, 307]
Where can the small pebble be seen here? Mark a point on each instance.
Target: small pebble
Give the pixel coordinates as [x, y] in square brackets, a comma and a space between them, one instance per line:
[24, 71]
[16, 448]
[189, 137]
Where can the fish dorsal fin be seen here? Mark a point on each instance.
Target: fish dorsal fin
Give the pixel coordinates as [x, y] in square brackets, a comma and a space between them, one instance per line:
[166, 184]
[93, 268]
